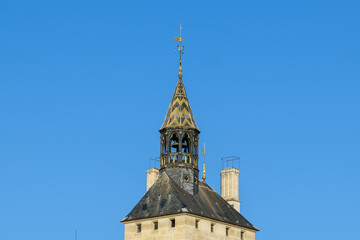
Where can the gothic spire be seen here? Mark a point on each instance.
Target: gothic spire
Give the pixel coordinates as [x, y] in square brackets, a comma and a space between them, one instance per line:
[179, 114]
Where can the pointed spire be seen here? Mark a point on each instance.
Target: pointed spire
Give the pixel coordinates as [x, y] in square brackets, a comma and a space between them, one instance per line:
[204, 171]
[179, 113]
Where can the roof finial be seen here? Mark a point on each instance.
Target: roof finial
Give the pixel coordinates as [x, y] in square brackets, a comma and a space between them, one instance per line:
[180, 49]
[204, 172]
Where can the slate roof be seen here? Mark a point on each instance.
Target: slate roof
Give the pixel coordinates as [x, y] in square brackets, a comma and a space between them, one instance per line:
[179, 113]
[166, 197]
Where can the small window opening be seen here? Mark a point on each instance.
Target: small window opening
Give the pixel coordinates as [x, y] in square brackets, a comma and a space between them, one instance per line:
[172, 223]
[196, 223]
[185, 144]
[212, 227]
[139, 228]
[156, 225]
[227, 231]
[242, 235]
[174, 145]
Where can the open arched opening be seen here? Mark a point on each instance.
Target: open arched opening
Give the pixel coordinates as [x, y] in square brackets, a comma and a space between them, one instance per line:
[185, 143]
[174, 143]
[163, 144]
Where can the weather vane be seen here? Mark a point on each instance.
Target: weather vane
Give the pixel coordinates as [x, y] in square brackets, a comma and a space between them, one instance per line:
[180, 49]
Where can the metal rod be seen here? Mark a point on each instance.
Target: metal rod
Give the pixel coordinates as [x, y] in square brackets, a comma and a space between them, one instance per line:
[231, 161]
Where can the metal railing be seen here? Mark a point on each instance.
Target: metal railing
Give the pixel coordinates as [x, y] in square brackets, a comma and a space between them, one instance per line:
[154, 162]
[230, 162]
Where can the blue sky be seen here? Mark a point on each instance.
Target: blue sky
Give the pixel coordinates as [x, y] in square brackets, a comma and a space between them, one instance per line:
[85, 86]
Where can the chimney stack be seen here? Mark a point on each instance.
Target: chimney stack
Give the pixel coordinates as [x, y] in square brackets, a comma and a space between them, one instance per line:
[230, 181]
[152, 175]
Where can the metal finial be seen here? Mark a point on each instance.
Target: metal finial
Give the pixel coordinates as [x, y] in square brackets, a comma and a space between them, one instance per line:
[180, 49]
[204, 172]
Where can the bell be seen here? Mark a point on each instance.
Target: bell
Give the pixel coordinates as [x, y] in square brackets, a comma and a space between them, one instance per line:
[175, 144]
[184, 144]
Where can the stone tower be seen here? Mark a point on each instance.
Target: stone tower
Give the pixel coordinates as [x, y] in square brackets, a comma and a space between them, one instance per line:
[177, 205]
[230, 181]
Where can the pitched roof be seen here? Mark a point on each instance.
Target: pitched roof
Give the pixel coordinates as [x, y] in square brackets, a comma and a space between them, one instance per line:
[166, 197]
[179, 113]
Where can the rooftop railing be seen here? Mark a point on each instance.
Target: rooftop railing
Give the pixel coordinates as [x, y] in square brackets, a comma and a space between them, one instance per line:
[230, 162]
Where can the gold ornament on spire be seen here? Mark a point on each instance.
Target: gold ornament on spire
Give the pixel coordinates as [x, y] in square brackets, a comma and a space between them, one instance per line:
[180, 49]
[179, 113]
[204, 172]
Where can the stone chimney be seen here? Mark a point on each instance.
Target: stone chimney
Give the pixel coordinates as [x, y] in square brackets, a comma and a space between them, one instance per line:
[230, 186]
[152, 175]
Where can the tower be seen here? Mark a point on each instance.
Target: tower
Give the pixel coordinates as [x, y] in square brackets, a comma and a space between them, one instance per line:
[177, 205]
[179, 141]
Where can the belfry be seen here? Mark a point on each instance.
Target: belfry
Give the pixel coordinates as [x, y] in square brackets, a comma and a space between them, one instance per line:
[177, 205]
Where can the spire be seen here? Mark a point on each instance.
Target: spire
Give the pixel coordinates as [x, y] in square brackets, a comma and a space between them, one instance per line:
[179, 114]
[179, 137]
[204, 172]
[180, 49]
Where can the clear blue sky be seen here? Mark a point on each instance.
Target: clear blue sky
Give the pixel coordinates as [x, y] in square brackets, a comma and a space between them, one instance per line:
[85, 86]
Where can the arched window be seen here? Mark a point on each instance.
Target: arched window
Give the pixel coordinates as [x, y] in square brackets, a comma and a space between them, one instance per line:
[186, 144]
[174, 143]
[195, 145]
[163, 144]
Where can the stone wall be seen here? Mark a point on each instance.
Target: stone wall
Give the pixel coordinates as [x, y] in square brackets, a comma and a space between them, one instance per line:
[185, 229]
